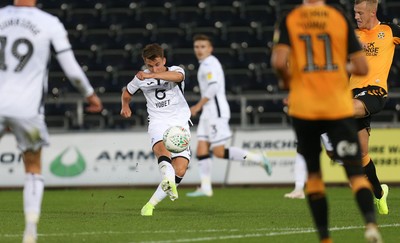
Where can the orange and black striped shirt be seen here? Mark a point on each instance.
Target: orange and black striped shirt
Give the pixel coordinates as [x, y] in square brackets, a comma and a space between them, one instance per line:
[320, 39]
[379, 45]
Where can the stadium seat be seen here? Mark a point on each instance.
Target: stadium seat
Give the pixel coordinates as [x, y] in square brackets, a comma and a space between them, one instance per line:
[182, 56]
[154, 15]
[58, 84]
[187, 14]
[240, 34]
[254, 55]
[117, 58]
[393, 9]
[238, 80]
[226, 14]
[100, 80]
[260, 13]
[124, 17]
[91, 18]
[103, 38]
[171, 36]
[227, 57]
[132, 36]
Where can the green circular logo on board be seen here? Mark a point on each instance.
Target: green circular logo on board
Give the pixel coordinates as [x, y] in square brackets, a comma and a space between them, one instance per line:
[62, 169]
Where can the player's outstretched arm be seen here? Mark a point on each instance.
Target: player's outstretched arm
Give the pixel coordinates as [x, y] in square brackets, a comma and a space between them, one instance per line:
[125, 99]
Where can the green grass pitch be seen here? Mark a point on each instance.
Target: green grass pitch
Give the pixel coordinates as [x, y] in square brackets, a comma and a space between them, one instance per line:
[233, 214]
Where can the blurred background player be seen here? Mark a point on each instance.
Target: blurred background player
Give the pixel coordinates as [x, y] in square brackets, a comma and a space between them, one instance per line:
[26, 36]
[370, 92]
[300, 175]
[213, 130]
[312, 45]
[163, 88]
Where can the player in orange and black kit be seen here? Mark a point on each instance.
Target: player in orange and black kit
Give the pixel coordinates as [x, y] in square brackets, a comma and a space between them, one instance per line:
[370, 92]
[312, 45]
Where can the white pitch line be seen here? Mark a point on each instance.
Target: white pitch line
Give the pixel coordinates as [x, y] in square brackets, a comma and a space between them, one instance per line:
[305, 231]
[155, 232]
[278, 231]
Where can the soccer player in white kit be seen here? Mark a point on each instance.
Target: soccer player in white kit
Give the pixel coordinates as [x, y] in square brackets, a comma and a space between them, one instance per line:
[213, 131]
[163, 88]
[26, 34]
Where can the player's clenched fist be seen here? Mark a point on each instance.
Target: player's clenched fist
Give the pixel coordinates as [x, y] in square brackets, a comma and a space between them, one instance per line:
[126, 112]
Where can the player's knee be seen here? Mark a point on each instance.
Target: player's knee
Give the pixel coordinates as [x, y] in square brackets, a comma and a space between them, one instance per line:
[180, 169]
[220, 152]
[180, 165]
[32, 162]
[315, 185]
[359, 182]
[365, 160]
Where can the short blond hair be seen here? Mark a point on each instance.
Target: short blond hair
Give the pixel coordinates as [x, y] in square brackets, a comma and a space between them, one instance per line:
[373, 4]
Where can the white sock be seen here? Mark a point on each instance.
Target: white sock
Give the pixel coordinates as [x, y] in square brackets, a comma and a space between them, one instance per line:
[238, 154]
[167, 171]
[326, 142]
[158, 196]
[256, 158]
[300, 172]
[33, 194]
[205, 166]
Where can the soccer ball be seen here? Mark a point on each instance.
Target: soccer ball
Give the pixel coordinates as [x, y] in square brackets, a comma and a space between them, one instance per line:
[176, 139]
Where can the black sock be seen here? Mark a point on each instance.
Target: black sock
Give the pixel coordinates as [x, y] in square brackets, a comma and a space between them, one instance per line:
[319, 209]
[178, 179]
[370, 171]
[226, 153]
[365, 202]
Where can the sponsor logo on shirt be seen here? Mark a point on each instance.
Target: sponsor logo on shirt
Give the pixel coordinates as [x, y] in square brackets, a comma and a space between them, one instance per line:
[370, 49]
[162, 104]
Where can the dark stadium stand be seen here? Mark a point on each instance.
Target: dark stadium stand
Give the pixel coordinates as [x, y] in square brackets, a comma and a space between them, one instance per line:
[107, 37]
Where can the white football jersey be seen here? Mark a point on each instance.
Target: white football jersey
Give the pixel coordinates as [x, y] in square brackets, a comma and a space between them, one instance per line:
[165, 100]
[26, 34]
[211, 73]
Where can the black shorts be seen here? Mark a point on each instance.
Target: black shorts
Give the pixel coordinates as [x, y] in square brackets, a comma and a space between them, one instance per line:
[374, 100]
[343, 135]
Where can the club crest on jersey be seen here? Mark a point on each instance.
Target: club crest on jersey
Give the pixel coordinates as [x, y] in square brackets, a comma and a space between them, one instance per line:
[381, 35]
[209, 76]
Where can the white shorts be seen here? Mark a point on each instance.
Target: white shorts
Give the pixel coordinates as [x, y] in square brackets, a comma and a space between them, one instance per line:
[156, 131]
[31, 133]
[216, 131]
